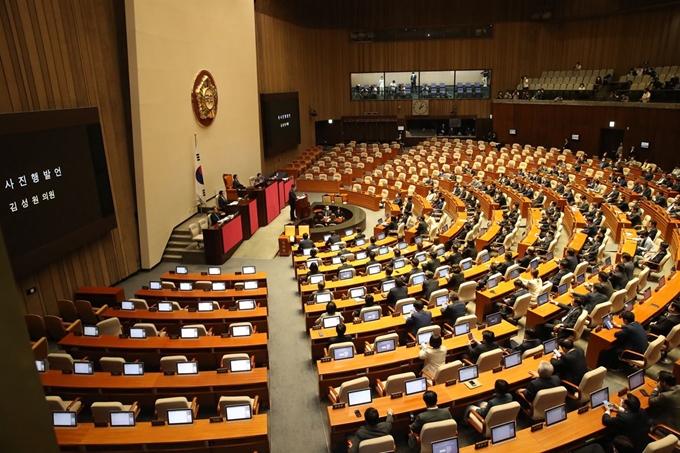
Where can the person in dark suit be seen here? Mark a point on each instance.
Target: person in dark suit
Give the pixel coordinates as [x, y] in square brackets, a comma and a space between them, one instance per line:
[571, 260]
[560, 273]
[408, 207]
[214, 216]
[397, 293]
[372, 429]
[421, 229]
[652, 231]
[429, 415]
[590, 229]
[335, 237]
[507, 303]
[530, 341]
[529, 255]
[618, 277]
[430, 285]
[571, 366]
[607, 288]
[433, 263]
[501, 395]
[631, 336]
[655, 260]
[543, 379]
[507, 263]
[628, 265]
[630, 420]
[292, 198]
[475, 349]
[419, 317]
[222, 202]
[664, 402]
[593, 297]
[340, 336]
[456, 278]
[568, 321]
[305, 242]
[454, 310]
[665, 324]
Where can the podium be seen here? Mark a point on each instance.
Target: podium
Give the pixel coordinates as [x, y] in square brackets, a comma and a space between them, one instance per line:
[302, 208]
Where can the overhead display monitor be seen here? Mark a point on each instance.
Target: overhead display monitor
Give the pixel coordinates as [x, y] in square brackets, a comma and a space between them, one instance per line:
[280, 122]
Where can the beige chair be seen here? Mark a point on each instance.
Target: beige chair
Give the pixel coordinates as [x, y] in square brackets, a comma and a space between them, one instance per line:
[226, 358]
[435, 329]
[618, 300]
[649, 358]
[672, 341]
[202, 285]
[593, 380]
[434, 432]
[87, 314]
[112, 364]
[377, 445]
[482, 257]
[519, 310]
[67, 310]
[177, 402]
[497, 415]
[196, 234]
[60, 361]
[225, 401]
[545, 399]
[580, 268]
[110, 326]
[56, 329]
[664, 444]
[36, 326]
[370, 309]
[600, 310]
[241, 324]
[467, 292]
[55, 403]
[445, 373]
[656, 273]
[340, 395]
[202, 331]
[432, 302]
[488, 360]
[388, 336]
[329, 352]
[150, 329]
[394, 384]
[168, 285]
[400, 303]
[579, 327]
[169, 363]
[631, 289]
[532, 351]
[140, 304]
[470, 320]
[101, 409]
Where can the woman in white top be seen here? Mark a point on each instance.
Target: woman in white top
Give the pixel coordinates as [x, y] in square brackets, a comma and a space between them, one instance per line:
[434, 355]
[331, 310]
[646, 96]
[533, 285]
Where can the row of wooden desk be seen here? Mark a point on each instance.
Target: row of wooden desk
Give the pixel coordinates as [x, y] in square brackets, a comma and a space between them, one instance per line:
[229, 279]
[228, 297]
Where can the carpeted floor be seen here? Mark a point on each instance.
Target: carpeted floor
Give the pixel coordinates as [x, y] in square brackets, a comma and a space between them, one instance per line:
[298, 421]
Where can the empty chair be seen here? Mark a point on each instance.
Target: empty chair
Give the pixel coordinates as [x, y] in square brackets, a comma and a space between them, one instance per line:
[631, 289]
[434, 432]
[112, 364]
[532, 351]
[36, 326]
[168, 285]
[178, 402]
[101, 409]
[67, 310]
[225, 401]
[56, 329]
[140, 304]
[202, 285]
[60, 361]
[394, 384]
[598, 311]
[664, 445]
[240, 324]
[110, 326]
[365, 310]
[519, 310]
[86, 313]
[445, 373]
[497, 415]
[202, 331]
[591, 381]
[379, 444]
[467, 292]
[196, 234]
[340, 395]
[150, 329]
[55, 403]
[649, 358]
[169, 363]
[545, 399]
[331, 348]
[226, 358]
[618, 300]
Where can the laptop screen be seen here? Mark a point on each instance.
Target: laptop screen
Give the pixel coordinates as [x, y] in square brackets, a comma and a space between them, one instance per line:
[247, 270]
[445, 446]
[424, 337]
[555, 414]
[237, 365]
[442, 300]
[491, 283]
[418, 279]
[420, 257]
[512, 360]
[358, 397]
[137, 332]
[323, 298]
[418, 239]
[349, 232]
[461, 329]
[164, 306]
[91, 331]
[250, 285]
[501, 250]
[64, 418]
[214, 271]
[155, 285]
[486, 257]
[331, 321]
[336, 260]
[187, 367]
[182, 270]
[595, 270]
[326, 237]
[501, 433]
[549, 346]
[580, 278]
[383, 250]
[238, 412]
[388, 285]
[608, 261]
[647, 294]
[189, 332]
[466, 264]
[607, 321]
[542, 298]
[444, 271]
[133, 369]
[370, 315]
[246, 304]
[40, 366]
[514, 273]
[549, 256]
[345, 274]
[416, 386]
[335, 248]
[343, 353]
[662, 282]
[402, 245]
[357, 293]
[315, 279]
[127, 305]
[240, 331]
[385, 345]
[562, 289]
[360, 255]
[467, 373]
[122, 418]
[306, 252]
[374, 269]
[534, 263]
[493, 319]
[180, 417]
[186, 286]
[381, 236]
[598, 397]
[360, 242]
[636, 380]
[219, 286]
[83, 368]
[398, 264]
[407, 309]
[205, 306]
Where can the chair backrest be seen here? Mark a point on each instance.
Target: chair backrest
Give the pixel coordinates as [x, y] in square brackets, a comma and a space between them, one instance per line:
[60, 361]
[100, 410]
[566, 278]
[598, 312]
[500, 414]
[202, 331]
[482, 256]
[631, 288]
[240, 324]
[369, 309]
[673, 338]
[202, 285]
[67, 310]
[348, 386]
[150, 329]
[521, 306]
[55, 327]
[547, 398]
[618, 300]
[447, 372]
[580, 325]
[489, 360]
[653, 352]
[663, 445]
[581, 268]
[397, 382]
[332, 347]
[435, 329]
[225, 401]
[436, 431]
[164, 404]
[467, 291]
[110, 326]
[435, 294]
[377, 445]
[169, 363]
[509, 270]
[55, 403]
[85, 313]
[111, 364]
[36, 326]
[226, 358]
[402, 302]
[591, 381]
[168, 285]
[140, 304]
[642, 279]
[532, 351]
[471, 320]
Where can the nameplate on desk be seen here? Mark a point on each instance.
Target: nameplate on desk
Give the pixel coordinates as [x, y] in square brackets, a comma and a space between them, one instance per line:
[369, 353]
[173, 336]
[232, 308]
[192, 310]
[153, 309]
[310, 302]
[584, 409]
[356, 321]
[207, 289]
[339, 406]
[397, 395]
[238, 287]
[317, 327]
[396, 314]
[450, 383]
[623, 391]
[144, 287]
[482, 444]
[116, 373]
[224, 335]
[204, 273]
[498, 369]
[325, 359]
[410, 344]
[66, 371]
[481, 327]
[237, 273]
[172, 272]
[168, 373]
[101, 424]
[78, 334]
[216, 419]
[157, 422]
[536, 427]
[123, 336]
[222, 370]
[174, 289]
[538, 355]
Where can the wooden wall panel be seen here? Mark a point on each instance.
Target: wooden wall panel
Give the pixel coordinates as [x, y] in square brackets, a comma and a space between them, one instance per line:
[67, 54]
[317, 62]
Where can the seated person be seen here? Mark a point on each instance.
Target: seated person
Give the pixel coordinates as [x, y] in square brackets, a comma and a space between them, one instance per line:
[305, 242]
[369, 301]
[571, 259]
[433, 353]
[571, 366]
[559, 327]
[456, 278]
[340, 336]
[260, 180]
[630, 420]
[422, 229]
[590, 253]
[475, 349]
[618, 277]
[331, 310]
[343, 264]
[543, 379]
[222, 201]
[454, 310]
[628, 265]
[419, 317]
[372, 244]
[335, 237]
[321, 289]
[397, 293]
[530, 341]
[630, 336]
[501, 395]
[429, 415]
[562, 271]
[373, 428]
[359, 234]
[664, 324]
[371, 258]
[503, 267]
[507, 303]
[664, 401]
[493, 269]
[654, 259]
[542, 244]
[326, 212]
[529, 255]
[430, 285]
[594, 297]
[215, 216]
[237, 184]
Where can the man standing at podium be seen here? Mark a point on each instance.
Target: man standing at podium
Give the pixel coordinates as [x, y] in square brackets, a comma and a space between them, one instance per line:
[292, 198]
